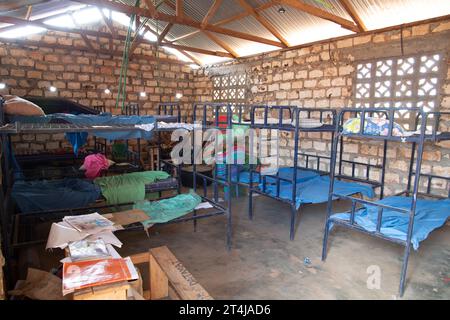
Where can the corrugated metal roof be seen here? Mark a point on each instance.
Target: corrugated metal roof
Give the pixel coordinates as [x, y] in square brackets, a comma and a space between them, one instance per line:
[295, 26]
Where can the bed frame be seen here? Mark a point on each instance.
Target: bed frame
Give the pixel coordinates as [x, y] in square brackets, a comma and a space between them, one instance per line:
[418, 141]
[312, 162]
[11, 223]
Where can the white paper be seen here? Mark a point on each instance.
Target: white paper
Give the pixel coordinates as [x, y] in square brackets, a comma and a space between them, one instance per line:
[204, 205]
[61, 234]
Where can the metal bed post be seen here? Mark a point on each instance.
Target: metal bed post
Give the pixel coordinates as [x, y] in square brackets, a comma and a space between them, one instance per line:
[336, 139]
[413, 204]
[251, 146]
[294, 174]
[230, 161]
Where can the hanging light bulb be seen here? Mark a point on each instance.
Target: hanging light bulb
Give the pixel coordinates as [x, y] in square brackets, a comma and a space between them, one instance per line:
[2, 86]
[281, 10]
[178, 95]
[107, 91]
[52, 89]
[143, 94]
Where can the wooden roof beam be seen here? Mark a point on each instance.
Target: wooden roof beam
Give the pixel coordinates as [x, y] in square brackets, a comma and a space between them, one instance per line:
[178, 20]
[221, 43]
[355, 16]
[315, 11]
[211, 12]
[164, 32]
[108, 23]
[18, 22]
[179, 8]
[266, 24]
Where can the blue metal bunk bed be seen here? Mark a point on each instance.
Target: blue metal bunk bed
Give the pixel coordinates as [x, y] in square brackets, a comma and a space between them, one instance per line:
[407, 217]
[308, 183]
[12, 224]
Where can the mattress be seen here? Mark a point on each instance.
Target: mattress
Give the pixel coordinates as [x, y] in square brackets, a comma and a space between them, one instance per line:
[430, 215]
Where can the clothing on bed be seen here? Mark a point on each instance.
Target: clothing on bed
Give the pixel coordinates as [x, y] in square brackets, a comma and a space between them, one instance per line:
[45, 195]
[162, 211]
[129, 187]
[95, 164]
[430, 215]
[316, 190]
[104, 119]
[288, 173]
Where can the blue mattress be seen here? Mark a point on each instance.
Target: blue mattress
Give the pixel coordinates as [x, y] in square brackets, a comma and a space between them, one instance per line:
[45, 195]
[430, 215]
[316, 190]
[286, 173]
[104, 119]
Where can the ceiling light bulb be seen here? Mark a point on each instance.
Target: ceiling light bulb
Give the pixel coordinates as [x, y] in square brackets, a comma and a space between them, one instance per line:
[281, 10]
[107, 91]
[52, 89]
[2, 86]
[143, 94]
[179, 95]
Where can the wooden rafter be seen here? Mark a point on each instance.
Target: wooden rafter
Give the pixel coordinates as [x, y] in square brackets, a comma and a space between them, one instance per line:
[230, 19]
[198, 50]
[315, 11]
[211, 12]
[178, 20]
[108, 23]
[19, 22]
[221, 43]
[82, 34]
[355, 16]
[179, 9]
[190, 56]
[29, 11]
[170, 4]
[263, 21]
[164, 32]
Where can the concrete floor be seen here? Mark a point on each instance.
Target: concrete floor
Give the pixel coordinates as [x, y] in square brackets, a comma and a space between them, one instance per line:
[265, 264]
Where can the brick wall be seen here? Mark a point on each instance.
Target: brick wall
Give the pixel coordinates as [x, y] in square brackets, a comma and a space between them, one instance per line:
[321, 75]
[83, 76]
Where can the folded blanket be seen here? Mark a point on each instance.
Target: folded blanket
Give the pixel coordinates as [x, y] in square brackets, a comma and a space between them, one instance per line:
[168, 209]
[128, 187]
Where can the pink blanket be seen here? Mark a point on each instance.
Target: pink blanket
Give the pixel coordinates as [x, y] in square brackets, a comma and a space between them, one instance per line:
[94, 165]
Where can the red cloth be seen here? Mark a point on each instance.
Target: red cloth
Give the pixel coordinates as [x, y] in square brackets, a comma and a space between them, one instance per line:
[94, 165]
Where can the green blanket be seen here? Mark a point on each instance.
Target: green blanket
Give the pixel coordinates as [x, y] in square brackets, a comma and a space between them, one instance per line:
[129, 187]
[168, 209]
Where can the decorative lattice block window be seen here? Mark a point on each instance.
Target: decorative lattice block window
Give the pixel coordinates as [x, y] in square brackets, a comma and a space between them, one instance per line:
[401, 82]
[230, 89]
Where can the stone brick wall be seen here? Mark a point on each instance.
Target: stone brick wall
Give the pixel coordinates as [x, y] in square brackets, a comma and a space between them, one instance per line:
[83, 76]
[321, 75]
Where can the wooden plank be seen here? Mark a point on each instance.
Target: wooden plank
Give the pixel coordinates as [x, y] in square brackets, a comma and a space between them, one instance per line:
[179, 10]
[355, 16]
[183, 20]
[180, 278]
[211, 12]
[315, 11]
[198, 50]
[221, 43]
[165, 32]
[140, 258]
[159, 284]
[115, 291]
[263, 21]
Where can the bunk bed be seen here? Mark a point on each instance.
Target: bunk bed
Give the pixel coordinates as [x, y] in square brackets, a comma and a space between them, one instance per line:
[408, 217]
[306, 181]
[19, 230]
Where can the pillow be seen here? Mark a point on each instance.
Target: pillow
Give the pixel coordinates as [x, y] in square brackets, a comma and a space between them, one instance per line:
[17, 106]
[373, 127]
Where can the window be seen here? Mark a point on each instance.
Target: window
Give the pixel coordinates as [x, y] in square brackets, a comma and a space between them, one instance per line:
[230, 89]
[403, 82]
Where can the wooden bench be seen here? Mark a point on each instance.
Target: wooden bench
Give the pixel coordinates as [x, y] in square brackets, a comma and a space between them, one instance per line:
[168, 278]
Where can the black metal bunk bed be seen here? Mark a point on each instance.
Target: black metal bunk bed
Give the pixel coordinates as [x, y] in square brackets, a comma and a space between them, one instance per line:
[11, 223]
[375, 218]
[308, 182]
